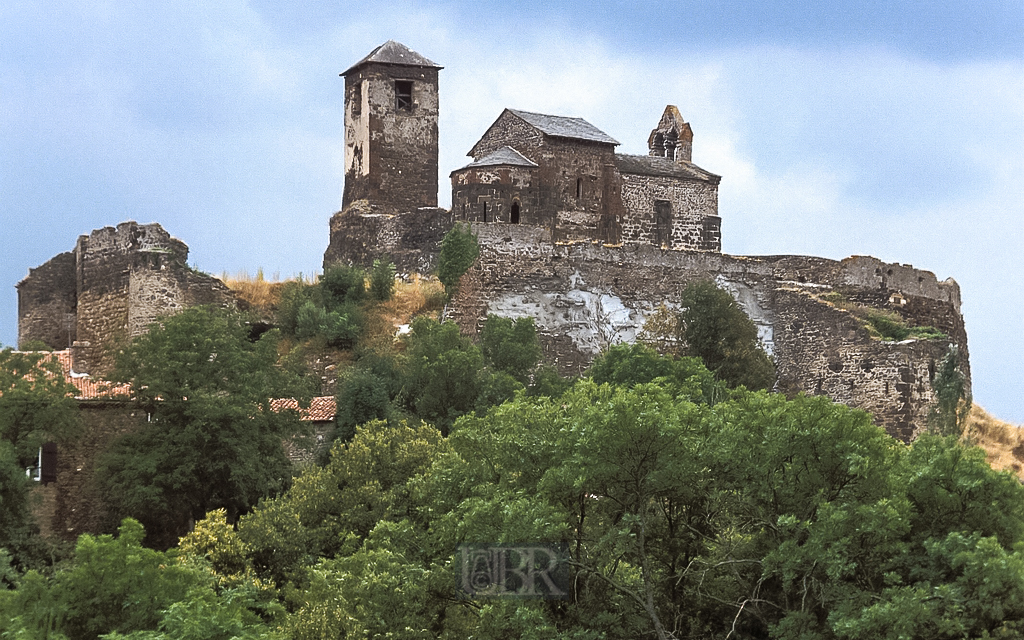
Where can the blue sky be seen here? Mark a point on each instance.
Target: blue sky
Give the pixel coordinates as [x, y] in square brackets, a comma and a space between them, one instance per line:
[893, 129]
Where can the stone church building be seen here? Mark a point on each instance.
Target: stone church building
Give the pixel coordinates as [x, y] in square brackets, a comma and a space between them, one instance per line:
[564, 174]
[555, 172]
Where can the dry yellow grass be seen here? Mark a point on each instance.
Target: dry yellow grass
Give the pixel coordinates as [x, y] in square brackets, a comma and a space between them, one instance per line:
[1003, 442]
[260, 294]
[418, 296]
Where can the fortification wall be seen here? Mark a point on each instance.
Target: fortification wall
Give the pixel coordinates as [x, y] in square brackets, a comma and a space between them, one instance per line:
[79, 506]
[361, 234]
[47, 298]
[112, 286]
[691, 223]
[585, 297]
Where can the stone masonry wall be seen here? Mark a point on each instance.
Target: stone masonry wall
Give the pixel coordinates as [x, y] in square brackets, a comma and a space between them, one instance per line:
[585, 297]
[486, 194]
[693, 203]
[360, 234]
[79, 505]
[46, 303]
[391, 155]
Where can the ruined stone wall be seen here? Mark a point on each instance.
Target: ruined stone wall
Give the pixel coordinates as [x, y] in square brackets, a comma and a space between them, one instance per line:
[47, 298]
[360, 235]
[585, 297]
[391, 154]
[122, 279]
[693, 223]
[487, 194]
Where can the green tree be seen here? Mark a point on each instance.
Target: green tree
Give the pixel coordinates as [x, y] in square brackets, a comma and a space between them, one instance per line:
[382, 280]
[115, 585]
[213, 440]
[294, 295]
[16, 525]
[341, 284]
[362, 397]
[510, 346]
[628, 365]
[459, 250]
[715, 329]
[36, 403]
[442, 372]
[366, 481]
[339, 328]
[117, 588]
[948, 415]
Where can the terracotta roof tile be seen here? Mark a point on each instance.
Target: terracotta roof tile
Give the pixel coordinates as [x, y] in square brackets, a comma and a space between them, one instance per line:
[321, 408]
[88, 388]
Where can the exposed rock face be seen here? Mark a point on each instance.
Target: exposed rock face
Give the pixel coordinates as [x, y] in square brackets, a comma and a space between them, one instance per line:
[114, 284]
[585, 297]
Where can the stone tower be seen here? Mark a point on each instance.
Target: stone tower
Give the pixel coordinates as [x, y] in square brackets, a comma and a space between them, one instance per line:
[391, 106]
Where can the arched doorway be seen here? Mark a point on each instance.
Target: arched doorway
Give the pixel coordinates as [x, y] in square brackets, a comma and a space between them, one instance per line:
[514, 214]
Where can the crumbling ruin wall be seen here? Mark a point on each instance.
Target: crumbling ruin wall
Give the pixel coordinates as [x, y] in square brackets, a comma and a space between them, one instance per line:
[362, 233]
[585, 297]
[122, 279]
[47, 298]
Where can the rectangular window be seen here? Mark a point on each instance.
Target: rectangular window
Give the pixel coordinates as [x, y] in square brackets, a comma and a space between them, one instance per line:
[357, 98]
[403, 95]
[662, 223]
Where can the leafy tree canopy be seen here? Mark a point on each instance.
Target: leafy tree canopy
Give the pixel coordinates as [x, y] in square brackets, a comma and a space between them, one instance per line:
[213, 439]
[510, 345]
[442, 372]
[36, 402]
[715, 329]
[118, 589]
[459, 250]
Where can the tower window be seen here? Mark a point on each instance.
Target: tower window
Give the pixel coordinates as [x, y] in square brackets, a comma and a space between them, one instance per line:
[403, 95]
[579, 188]
[357, 98]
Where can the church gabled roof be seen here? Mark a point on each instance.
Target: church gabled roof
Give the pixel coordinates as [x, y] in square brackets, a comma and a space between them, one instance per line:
[392, 52]
[563, 127]
[506, 156]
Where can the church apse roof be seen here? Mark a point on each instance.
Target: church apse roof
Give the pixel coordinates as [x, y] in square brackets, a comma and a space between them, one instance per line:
[505, 156]
[392, 52]
[660, 166]
[563, 127]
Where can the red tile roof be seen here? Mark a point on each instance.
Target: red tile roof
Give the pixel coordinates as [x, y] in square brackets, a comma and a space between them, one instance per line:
[321, 408]
[88, 388]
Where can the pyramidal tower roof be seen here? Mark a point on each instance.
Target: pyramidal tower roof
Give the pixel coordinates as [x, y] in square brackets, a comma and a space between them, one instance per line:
[392, 52]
